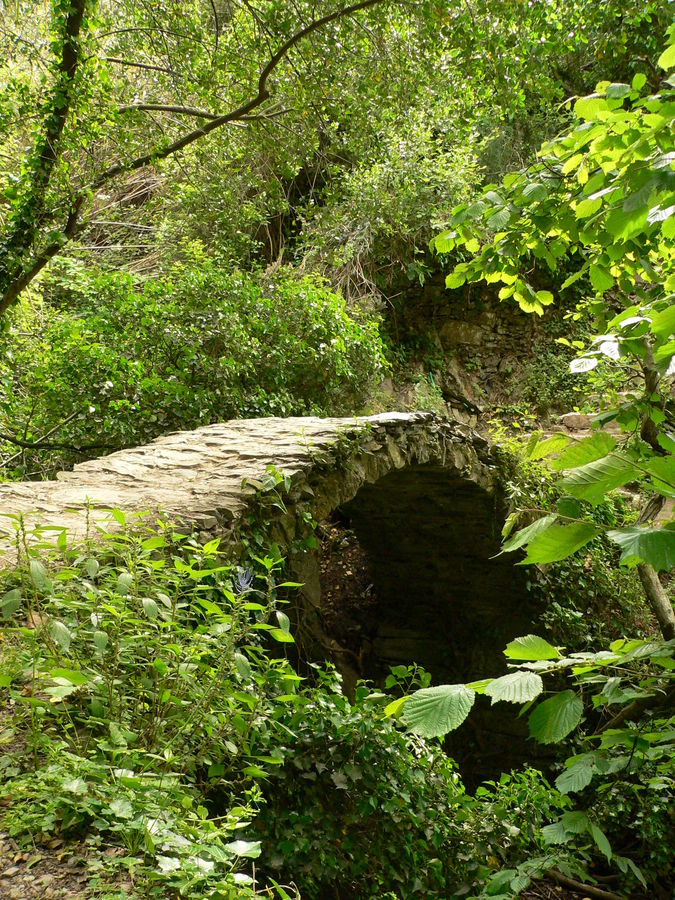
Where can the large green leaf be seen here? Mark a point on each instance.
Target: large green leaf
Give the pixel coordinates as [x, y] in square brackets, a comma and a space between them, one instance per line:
[531, 647]
[522, 537]
[577, 775]
[585, 451]
[432, 712]
[560, 541]
[601, 841]
[592, 481]
[662, 470]
[552, 720]
[553, 444]
[663, 323]
[641, 543]
[516, 687]
[600, 279]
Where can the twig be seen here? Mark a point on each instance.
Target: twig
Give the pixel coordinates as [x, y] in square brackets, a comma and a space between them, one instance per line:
[589, 889]
[42, 444]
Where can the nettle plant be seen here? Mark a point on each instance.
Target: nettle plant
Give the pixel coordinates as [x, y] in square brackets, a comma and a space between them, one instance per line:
[135, 670]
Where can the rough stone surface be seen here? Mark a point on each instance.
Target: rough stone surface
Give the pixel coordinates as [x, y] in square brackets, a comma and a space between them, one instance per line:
[200, 476]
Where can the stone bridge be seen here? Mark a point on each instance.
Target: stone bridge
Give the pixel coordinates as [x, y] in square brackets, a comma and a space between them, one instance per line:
[420, 496]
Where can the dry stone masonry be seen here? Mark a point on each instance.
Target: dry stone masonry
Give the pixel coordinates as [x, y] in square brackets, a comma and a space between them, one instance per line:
[201, 476]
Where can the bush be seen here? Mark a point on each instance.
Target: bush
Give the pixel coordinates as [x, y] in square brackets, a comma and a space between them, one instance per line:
[359, 809]
[106, 365]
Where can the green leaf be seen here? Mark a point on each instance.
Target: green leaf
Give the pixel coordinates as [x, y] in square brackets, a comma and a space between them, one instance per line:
[522, 537]
[576, 777]
[640, 543]
[587, 450]
[663, 323]
[553, 444]
[499, 220]
[667, 58]
[391, 709]
[662, 470]
[530, 647]
[433, 712]
[592, 481]
[454, 280]
[284, 622]
[575, 821]
[553, 719]
[601, 841]
[639, 81]
[516, 687]
[282, 636]
[560, 541]
[124, 582]
[600, 278]
[38, 573]
[250, 849]
[122, 808]
[150, 608]
[555, 833]
[100, 640]
[60, 635]
[534, 191]
[242, 665]
[118, 516]
[10, 602]
[583, 364]
[618, 91]
[583, 210]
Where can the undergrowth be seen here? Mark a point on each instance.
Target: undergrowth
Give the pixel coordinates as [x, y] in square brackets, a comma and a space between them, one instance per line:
[147, 708]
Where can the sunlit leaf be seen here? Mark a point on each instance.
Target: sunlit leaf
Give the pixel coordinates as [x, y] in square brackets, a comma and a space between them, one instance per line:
[530, 647]
[559, 542]
[640, 543]
[432, 712]
[516, 687]
[552, 720]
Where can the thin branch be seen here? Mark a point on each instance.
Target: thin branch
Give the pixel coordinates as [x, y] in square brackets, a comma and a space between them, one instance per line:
[216, 26]
[166, 107]
[137, 65]
[635, 710]
[42, 444]
[587, 889]
[40, 260]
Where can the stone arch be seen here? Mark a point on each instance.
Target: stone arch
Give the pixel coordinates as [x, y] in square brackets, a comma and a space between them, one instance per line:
[423, 495]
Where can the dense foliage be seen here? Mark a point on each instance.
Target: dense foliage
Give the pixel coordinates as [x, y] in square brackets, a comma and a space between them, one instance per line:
[107, 364]
[219, 209]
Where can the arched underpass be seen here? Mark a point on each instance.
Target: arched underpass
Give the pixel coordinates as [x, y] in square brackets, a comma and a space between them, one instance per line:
[422, 583]
[421, 495]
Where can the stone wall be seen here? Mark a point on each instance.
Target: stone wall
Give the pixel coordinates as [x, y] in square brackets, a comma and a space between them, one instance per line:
[479, 339]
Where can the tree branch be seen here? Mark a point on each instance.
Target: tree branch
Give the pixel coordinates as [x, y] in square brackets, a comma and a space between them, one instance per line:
[137, 65]
[25, 221]
[658, 600]
[166, 107]
[18, 273]
[588, 889]
[241, 111]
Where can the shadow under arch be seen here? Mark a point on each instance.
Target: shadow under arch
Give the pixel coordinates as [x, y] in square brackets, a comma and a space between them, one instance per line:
[441, 597]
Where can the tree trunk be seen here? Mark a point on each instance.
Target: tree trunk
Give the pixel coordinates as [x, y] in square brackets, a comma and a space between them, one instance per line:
[658, 600]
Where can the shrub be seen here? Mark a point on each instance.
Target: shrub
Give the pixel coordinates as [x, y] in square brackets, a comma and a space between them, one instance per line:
[105, 364]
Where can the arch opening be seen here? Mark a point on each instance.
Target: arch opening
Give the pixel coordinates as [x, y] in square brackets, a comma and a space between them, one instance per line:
[407, 573]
